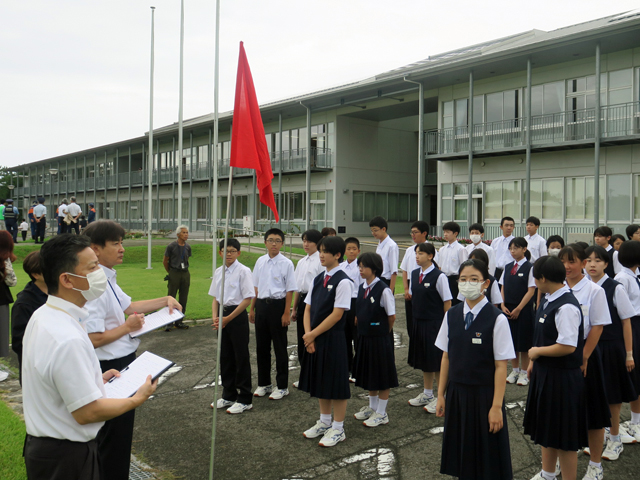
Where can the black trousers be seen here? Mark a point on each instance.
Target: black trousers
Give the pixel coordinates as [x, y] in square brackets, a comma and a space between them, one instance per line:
[408, 311]
[453, 286]
[41, 229]
[116, 436]
[386, 280]
[12, 228]
[235, 365]
[53, 459]
[72, 226]
[24, 235]
[498, 273]
[179, 282]
[300, 327]
[351, 334]
[269, 329]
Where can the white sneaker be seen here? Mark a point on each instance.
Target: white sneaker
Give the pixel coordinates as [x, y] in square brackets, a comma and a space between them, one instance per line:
[332, 437]
[421, 400]
[296, 383]
[430, 407]
[513, 377]
[351, 379]
[586, 451]
[3, 375]
[633, 430]
[538, 476]
[558, 471]
[279, 394]
[239, 408]
[376, 419]
[625, 437]
[318, 430]
[522, 378]
[364, 413]
[613, 450]
[594, 473]
[222, 403]
[262, 391]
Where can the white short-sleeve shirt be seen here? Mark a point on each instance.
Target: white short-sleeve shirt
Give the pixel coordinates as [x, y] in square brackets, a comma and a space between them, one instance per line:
[531, 283]
[537, 246]
[39, 210]
[501, 246]
[353, 271]
[491, 253]
[238, 284]
[630, 282]
[388, 250]
[567, 319]
[593, 301]
[274, 277]
[343, 291]
[308, 268]
[450, 257]
[621, 300]
[386, 301]
[409, 260]
[74, 209]
[60, 372]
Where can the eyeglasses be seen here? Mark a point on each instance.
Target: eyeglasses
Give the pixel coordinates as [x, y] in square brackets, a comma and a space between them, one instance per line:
[473, 283]
[414, 232]
[230, 252]
[274, 242]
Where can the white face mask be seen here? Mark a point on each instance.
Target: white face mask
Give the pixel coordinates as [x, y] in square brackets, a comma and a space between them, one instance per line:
[476, 239]
[97, 284]
[554, 252]
[469, 291]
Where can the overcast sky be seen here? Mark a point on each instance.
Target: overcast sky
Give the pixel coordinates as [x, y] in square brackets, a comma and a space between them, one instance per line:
[75, 73]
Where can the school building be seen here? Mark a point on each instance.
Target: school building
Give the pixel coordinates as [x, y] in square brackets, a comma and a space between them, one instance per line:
[526, 124]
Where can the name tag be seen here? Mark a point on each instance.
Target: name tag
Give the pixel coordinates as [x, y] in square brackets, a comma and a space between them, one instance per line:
[541, 320]
[375, 324]
[426, 285]
[521, 274]
[477, 341]
[329, 287]
[373, 300]
[585, 310]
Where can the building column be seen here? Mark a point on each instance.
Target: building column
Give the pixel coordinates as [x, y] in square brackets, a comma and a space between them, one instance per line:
[596, 150]
[116, 212]
[280, 171]
[470, 127]
[308, 171]
[129, 212]
[190, 210]
[527, 186]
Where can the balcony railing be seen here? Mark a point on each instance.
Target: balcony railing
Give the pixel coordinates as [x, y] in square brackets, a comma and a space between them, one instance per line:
[576, 125]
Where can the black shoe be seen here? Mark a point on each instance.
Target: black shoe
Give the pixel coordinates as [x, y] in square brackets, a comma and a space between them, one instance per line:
[181, 326]
[168, 328]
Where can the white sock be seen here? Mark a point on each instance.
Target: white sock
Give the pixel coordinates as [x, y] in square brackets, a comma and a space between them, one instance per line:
[516, 370]
[428, 392]
[548, 475]
[382, 406]
[635, 418]
[373, 402]
[594, 464]
[338, 426]
[615, 438]
[326, 419]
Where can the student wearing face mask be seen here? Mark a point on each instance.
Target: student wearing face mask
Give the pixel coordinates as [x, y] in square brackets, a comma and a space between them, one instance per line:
[555, 243]
[476, 234]
[109, 331]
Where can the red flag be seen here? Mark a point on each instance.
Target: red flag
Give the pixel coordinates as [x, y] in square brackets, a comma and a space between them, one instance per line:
[248, 143]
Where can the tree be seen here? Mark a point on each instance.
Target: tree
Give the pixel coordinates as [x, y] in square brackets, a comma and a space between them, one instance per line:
[9, 177]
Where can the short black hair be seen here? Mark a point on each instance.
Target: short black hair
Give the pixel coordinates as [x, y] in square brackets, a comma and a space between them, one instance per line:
[599, 252]
[603, 232]
[550, 268]
[478, 265]
[373, 261]
[231, 242]
[333, 245]
[426, 248]
[629, 254]
[452, 227]
[479, 254]
[507, 219]
[631, 229]
[104, 231]
[274, 231]
[476, 226]
[573, 252]
[328, 231]
[421, 225]
[379, 222]
[555, 238]
[313, 236]
[349, 240]
[615, 237]
[584, 245]
[522, 243]
[59, 255]
[31, 264]
[534, 220]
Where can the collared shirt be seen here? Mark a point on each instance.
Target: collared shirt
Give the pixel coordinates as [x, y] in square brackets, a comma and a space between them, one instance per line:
[343, 291]
[567, 319]
[178, 255]
[442, 284]
[409, 263]
[62, 210]
[593, 301]
[307, 269]
[353, 271]
[531, 283]
[107, 313]
[537, 246]
[388, 250]
[274, 277]
[491, 253]
[74, 209]
[629, 281]
[39, 210]
[450, 257]
[60, 372]
[501, 246]
[238, 284]
[620, 300]
[386, 300]
[617, 266]
[502, 343]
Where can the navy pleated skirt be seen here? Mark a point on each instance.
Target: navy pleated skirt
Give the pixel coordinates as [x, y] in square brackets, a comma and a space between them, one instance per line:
[556, 415]
[598, 413]
[522, 328]
[374, 367]
[618, 385]
[325, 373]
[469, 450]
[423, 353]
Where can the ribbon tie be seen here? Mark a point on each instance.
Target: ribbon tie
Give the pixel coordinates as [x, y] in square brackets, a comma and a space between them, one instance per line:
[421, 277]
[366, 292]
[514, 270]
[326, 280]
[468, 319]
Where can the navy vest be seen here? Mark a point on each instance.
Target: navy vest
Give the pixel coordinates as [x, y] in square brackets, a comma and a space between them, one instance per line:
[471, 358]
[613, 331]
[546, 333]
[372, 317]
[516, 286]
[609, 270]
[425, 299]
[323, 299]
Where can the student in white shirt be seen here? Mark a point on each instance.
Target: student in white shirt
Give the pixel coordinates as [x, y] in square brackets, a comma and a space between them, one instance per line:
[419, 234]
[109, 333]
[24, 228]
[351, 268]
[61, 212]
[537, 245]
[450, 257]
[476, 234]
[74, 211]
[602, 237]
[387, 249]
[275, 282]
[235, 365]
[63, 387]
[501, 245]
[40, 217]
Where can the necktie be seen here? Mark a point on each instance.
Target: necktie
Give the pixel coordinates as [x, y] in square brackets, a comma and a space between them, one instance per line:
[366, 292]
[514, 270]
[468, 318]
[421, 277]
[326, 280]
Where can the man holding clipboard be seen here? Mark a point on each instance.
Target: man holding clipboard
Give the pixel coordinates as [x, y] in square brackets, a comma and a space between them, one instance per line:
[109, 333]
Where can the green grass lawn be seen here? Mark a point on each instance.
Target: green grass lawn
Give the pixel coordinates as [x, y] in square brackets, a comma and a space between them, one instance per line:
[12, 432]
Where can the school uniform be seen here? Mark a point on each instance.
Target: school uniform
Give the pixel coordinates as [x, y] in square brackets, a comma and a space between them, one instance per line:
[617, 380]
[409, 265]
[491, 253]
[429, 291]
[273, 277]
[617, 266]
[449, 258]
[388, 250]
[595, 312]
[350, 329]
[469, 450]
[517, 278]
[374, 365]
[536, 246]
[610, 270]
[501, 246]
[556, 408]
[235, 364]
[631, 284]
[492, 293]
[325, 373]
[307, 269]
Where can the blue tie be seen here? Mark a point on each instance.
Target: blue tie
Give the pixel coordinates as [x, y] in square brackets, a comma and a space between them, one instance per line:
[468, 319]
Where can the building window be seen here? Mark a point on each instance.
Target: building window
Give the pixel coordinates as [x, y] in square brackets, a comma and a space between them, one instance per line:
[395, 207]
[618, 198]
[502, 199]
[202, 208]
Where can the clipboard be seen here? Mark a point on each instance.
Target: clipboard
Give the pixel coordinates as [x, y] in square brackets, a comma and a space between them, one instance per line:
[135, 374]
[157, 320]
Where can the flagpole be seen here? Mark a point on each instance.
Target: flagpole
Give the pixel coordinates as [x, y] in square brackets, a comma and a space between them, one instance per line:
[214, 200]
[180, 139]
[150, 161]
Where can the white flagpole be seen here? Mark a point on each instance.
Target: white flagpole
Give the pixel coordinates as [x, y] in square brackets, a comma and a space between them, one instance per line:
[150, 161]
[180, 150]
